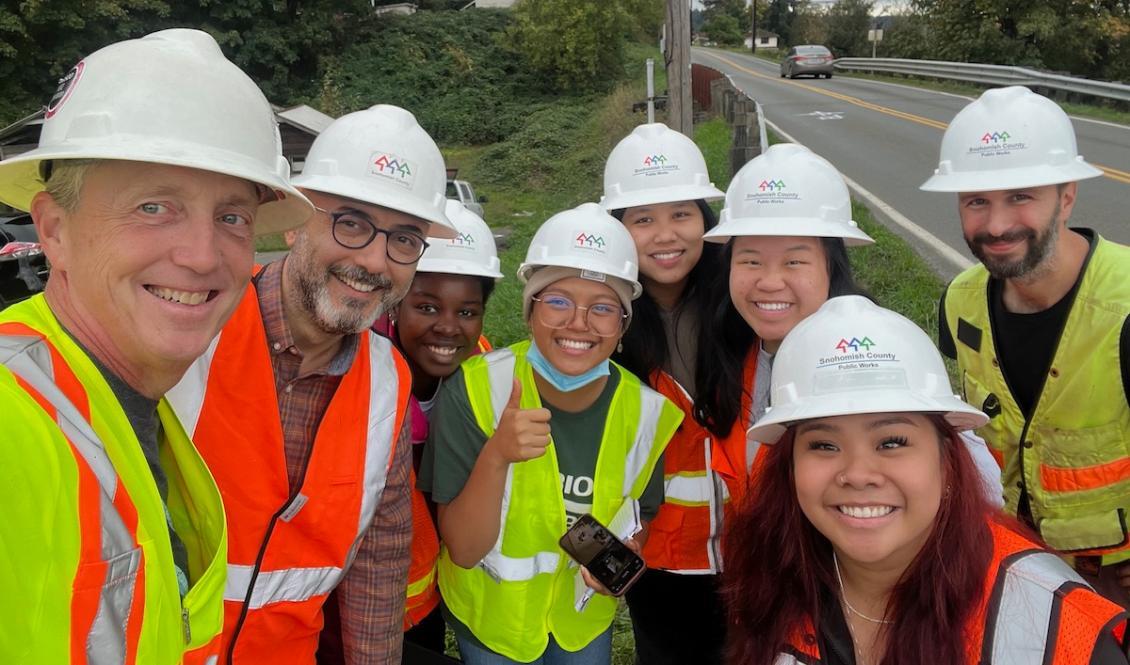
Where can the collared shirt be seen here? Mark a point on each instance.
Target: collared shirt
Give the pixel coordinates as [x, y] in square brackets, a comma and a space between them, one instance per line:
[371, 595]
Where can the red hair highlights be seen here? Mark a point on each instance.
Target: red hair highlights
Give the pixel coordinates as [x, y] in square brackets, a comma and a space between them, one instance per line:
[778, 566]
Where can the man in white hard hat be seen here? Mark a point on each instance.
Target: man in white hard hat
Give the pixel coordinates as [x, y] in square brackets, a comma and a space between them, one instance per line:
[299, 409]
[1039, 328]
[146, 194]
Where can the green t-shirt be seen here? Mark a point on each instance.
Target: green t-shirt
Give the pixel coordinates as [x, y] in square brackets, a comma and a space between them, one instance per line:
[455, 441]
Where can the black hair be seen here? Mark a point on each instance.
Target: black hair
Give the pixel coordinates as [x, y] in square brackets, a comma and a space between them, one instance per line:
[487, 284]
[719, 381]
[644, 343]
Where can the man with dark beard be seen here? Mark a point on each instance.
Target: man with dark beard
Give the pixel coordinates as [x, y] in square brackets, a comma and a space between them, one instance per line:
[298, 408]
[1039, 329]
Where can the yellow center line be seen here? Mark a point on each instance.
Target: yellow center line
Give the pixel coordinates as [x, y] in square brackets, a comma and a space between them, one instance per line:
[1112, 173]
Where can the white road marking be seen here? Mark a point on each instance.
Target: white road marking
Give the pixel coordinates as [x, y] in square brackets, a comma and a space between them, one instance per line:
[943, 250]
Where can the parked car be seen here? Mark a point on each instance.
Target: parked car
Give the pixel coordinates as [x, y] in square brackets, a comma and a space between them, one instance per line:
[461, 190]
[23, 267]
[807, 59]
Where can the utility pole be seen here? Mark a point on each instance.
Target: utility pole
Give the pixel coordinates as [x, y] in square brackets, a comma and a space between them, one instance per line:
[753, 27]
[678, 56]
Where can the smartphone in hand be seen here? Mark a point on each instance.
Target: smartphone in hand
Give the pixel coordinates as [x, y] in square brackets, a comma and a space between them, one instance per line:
[608, 559]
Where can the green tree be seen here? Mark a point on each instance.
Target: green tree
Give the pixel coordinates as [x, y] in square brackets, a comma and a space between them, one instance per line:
[574, 44]
[279, 44]
[779, 18]
[40, 40]
[847, 25]
[809, 25]
[723, 29]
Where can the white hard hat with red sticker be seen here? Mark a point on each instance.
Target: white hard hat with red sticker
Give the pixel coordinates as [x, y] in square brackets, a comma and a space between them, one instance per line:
[170, 97]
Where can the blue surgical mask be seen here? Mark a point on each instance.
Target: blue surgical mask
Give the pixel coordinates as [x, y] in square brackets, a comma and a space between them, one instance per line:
[558, 379]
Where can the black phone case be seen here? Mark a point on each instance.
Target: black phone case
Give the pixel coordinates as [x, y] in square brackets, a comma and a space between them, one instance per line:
[608, 559]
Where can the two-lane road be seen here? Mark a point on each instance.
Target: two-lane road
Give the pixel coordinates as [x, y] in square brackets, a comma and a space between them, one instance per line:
[885, 137]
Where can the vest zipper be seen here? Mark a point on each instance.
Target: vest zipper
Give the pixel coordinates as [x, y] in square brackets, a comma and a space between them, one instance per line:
[1025, 496]
[259, 560]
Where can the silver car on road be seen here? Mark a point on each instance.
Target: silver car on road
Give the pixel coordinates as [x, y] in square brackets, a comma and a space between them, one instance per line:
[808, 59]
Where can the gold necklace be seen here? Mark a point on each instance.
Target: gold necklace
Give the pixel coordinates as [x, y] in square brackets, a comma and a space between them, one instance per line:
[843, 596]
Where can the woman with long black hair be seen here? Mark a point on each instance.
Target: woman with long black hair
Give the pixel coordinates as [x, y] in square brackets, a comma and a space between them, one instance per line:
[656, 183]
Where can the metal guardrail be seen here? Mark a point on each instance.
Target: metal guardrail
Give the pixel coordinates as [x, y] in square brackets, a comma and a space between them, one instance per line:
[990, 74]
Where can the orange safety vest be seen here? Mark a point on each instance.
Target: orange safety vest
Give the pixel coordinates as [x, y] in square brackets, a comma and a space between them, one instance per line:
[685, 535]
[1035, 609]
[423, 595]
[288, 552]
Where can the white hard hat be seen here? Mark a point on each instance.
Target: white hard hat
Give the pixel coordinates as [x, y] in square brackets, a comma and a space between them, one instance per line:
[167, 98]
[788, 190]
[586, 238]
[470, 252]
[381, 156]
[852, 356]
[655, 164]
[1008, 138]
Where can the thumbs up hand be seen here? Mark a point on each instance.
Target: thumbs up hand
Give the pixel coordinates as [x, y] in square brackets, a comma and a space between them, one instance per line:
[522, 434]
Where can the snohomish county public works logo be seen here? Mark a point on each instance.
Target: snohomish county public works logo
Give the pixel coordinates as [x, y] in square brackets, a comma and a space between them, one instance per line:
[589, 242]
[996, 144]
[771, 190]
[856, 353]
[392, 168]
[464, 240]
[655, 165]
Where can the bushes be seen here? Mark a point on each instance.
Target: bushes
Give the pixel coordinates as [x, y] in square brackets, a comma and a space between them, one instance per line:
[455, 70]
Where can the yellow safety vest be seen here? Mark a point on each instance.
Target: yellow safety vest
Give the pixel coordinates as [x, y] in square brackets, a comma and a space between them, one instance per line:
[86, 566]
[1073, 454]
[523, 589]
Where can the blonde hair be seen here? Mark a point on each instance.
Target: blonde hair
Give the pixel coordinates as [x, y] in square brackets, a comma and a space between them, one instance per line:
[65, 180]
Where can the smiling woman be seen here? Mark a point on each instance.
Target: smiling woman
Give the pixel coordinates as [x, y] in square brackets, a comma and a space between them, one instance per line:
[503, 484]
[866, 539]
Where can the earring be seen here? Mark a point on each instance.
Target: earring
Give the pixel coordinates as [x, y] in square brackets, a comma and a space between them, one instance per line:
[620, 346]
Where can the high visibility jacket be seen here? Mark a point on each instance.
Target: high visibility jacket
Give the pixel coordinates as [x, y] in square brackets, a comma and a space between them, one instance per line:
[523, 589]
[698, 471]
[287, 552]
[86, 566]
[423, 595]
[1070, 454]
[1035, 611]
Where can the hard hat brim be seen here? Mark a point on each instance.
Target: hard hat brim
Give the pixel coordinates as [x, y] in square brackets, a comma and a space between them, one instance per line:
[1005, 179]
[454, 267]
[379, 194]
[654, 196]
[788, 226]
[20, 177]
[776, 420]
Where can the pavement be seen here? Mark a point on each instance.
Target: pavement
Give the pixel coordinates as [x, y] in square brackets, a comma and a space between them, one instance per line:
[884, 138]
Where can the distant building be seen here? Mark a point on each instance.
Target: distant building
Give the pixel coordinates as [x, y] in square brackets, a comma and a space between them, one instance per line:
[298, 127]
[765, 39]
[400, 8]
[489, 4]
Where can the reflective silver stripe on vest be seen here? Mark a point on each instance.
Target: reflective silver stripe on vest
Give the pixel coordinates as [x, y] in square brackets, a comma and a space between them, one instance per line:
[384, 389]
[651, 406]
[106, 642]
[692, 489]
[1023, 617]
[786, 659]
[500, 376]
[187, 397]
[287, 584]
